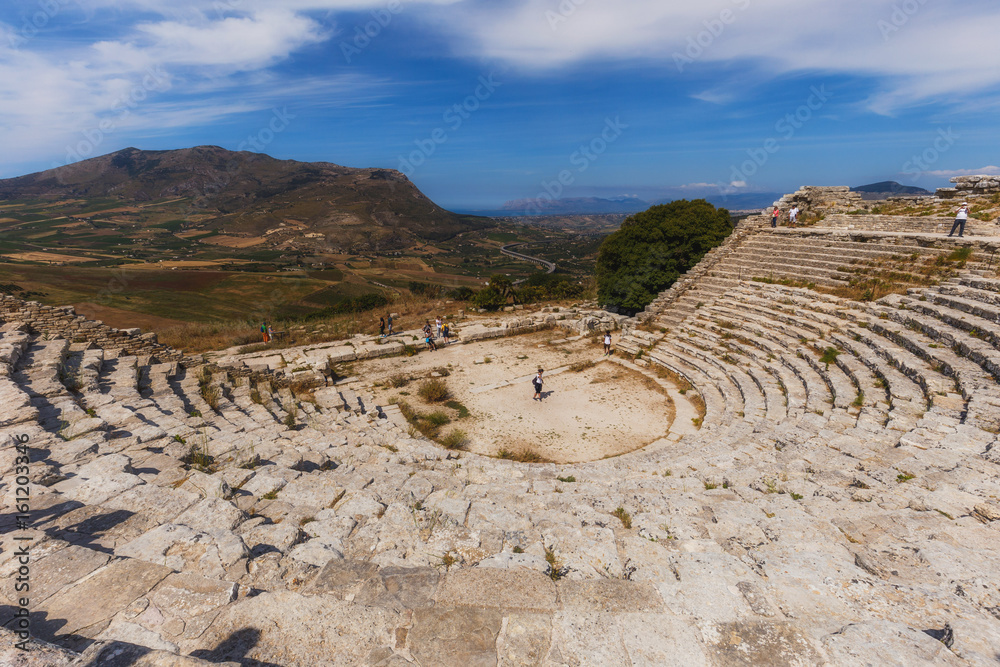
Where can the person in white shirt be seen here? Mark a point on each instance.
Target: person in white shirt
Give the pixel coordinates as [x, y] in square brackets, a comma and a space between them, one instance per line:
[793, 215]
[960, 218]
[607, 343]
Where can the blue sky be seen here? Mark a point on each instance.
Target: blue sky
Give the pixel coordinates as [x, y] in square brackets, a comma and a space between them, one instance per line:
[480, 102]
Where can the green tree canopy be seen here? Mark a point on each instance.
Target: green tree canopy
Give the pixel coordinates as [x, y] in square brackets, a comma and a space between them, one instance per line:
[653, 248]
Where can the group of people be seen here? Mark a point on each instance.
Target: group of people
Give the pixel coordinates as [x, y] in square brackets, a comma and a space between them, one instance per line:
[382, 333]
[440, 329]
[793, 216]
[443, 332]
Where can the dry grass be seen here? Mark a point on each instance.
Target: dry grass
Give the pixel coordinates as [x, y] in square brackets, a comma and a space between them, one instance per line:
[434, 390]
[523, 454]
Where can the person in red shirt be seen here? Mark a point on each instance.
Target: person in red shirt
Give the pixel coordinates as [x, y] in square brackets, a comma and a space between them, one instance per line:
[774, 216]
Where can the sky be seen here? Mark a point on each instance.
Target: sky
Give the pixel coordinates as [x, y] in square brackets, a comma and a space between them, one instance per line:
[484, 101]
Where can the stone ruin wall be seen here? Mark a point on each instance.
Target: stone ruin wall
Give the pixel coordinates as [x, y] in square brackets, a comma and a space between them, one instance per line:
[967, 187]
[63, 321]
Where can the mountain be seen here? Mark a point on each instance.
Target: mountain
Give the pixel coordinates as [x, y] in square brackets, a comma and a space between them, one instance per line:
[884, 189]
[575, 206]
[251, 194]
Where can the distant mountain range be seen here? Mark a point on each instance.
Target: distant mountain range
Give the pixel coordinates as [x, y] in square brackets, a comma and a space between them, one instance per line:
[884, 189]
[252, 194]
[597, 205]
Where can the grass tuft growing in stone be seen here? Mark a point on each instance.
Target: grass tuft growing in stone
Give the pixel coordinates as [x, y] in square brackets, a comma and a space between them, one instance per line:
[624, 517]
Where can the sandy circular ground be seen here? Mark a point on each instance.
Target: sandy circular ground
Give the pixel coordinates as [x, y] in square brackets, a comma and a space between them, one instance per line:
[600, 411]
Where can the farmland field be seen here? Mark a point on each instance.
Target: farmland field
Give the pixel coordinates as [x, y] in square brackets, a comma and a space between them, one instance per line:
[154, 264]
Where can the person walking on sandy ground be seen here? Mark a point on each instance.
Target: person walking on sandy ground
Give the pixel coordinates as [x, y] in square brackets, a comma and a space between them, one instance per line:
[960, 219]
[537, 383]
[381, 327]
[263, 332]
[438, 323]
[389, 320]
[446, 334]
[774, 217]
[607, 343]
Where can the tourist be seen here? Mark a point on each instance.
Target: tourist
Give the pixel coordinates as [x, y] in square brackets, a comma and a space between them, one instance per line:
[438, 323]
[537, 382]
[774, 217]
[430, 342]
[270, 333]
[446, 334]
[389, 320]
[381, 327]
[427, 329]
[960, 218]
[263, 332]
[607, 343]
[793, 215]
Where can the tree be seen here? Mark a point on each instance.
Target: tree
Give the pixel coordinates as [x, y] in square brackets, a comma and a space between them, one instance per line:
[653, 248]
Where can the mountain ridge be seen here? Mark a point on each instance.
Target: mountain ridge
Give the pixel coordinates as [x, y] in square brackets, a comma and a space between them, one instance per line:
[246, 193]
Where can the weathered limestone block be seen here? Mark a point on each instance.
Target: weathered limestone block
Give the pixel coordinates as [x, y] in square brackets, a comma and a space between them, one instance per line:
[216, 553]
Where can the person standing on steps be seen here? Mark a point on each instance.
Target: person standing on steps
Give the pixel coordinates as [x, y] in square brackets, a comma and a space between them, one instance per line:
[607, 343]
[389, 319]
[446, 334]
[774, 217]
[960, 219]
[537, 383]
[381, 327]
[438, 324]
[793, 215]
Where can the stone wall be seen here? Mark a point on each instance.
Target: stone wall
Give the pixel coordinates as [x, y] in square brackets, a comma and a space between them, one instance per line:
[815, 200]
[63, 321]
[904, 223]
[970, 186]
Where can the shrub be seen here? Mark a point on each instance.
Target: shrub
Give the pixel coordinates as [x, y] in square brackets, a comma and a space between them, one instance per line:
[434, 390]
[456, 439]
[582, 366]
[398, 380]
[624, 517]
[523, 455]
[567, 480]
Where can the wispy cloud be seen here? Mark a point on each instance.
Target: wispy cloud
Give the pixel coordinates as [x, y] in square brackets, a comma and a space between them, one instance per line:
[950, 173]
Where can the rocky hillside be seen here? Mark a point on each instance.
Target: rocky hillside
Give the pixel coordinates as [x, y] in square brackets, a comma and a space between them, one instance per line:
[247, 193]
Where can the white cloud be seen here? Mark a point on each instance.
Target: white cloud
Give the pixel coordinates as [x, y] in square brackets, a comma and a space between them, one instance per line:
[917, 59]
[982, 171]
